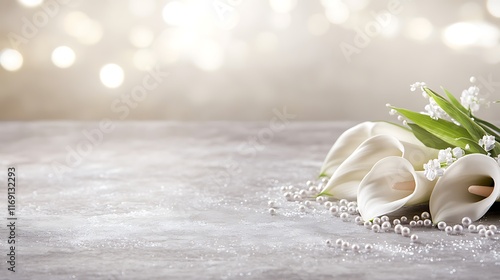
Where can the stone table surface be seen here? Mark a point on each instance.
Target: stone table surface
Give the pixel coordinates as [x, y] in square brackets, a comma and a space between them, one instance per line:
[172, 200]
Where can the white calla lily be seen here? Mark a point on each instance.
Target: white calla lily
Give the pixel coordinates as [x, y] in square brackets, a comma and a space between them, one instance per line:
[347, 177]
[452, 199]
[353, 137]
[391, 184]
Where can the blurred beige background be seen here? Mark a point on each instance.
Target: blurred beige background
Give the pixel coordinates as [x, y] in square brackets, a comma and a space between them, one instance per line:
[240, 59]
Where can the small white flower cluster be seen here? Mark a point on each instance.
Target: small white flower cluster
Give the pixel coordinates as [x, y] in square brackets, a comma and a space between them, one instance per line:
[434, 168]
[470, 99]
[421, 86]
[432, 109]
[487, 142]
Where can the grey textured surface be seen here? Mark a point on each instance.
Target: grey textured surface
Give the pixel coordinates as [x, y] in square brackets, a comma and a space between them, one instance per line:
[166, 200]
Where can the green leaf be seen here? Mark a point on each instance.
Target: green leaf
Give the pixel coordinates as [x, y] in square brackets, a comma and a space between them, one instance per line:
[455, 101]
[427, 138]
[473, 146]
[476, 131]
[443, 129]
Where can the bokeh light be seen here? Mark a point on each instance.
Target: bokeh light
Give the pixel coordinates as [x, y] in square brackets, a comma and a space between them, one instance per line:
[467, 34]
[493, 7]
[83, 28]
[11, 60]
[419, 29]
[283, 6]
[318, 24]
[209, 56]
[63, 57]
[30, 3]
[142, 8]
[175, 13]
[111, 75]
[144, 59]
[337, 12]
[141, 37]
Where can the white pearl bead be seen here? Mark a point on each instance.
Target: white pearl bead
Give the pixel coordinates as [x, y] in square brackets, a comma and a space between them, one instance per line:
[376, 221]
[482, 232]
[344, 216]
[404, 219]
[297, 197]
[352, 204]
[288, 196]
[272, 211]
[427, 222]
[291, 187]
[320, 199]
[376, 228]
[472, 228]
[345, 246]
[384, 219]
[413, 223]
[420, 223]
[351, 210]
[480, 227]
[334, 210]
[328, 204]
[457, 229]
[368, 224]
[358, 220]
[425, 215]
[416, 218]
[302, 208]
[313, 189]
[398, 228]
[283, 189]
[303, 193]
[493, 228]
[441, 225]
[307, 203]
[368, 247]
[339, 242]
[448, 230]
[271, 203]
[489, 233]
[414, 237]
[355, 247]
[396, 222]
[328, 242]
[466, 221]
[343, 209]
[343, 202]
[405, 231]
[324, 180]
[386, 226]
[309, 183]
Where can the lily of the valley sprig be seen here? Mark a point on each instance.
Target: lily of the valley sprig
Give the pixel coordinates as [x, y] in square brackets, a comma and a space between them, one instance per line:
[444, 156]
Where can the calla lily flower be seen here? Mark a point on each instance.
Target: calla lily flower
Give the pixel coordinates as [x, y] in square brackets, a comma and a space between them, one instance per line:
[347, 177]
[391, 184]
[468, 188]
[353, 137]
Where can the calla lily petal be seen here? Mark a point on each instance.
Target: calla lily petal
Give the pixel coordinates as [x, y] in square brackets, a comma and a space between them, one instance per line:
[378, 194]
[451, 200]
[345, 181]
[353, 137]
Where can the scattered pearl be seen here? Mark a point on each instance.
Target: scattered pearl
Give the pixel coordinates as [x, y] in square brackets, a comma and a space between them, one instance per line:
[343, 202]
[480, 227]
[420, 223]
[328, 204]
[386, 226]
[416, 218]
[427, 223]
[457, 229]
[352, 204]
[344, 216]
[441, 225]
[472, 79]
[398, 228]
[334, 210]
[368, 247]
[403, 219]
[489, 233]
[351, 210]
[288, 196]
[376, 228]
[472, 228]
[405, 231]
[320, 199]
[425, 215]
[345, 246]
[303, 193]
[328, 242]
[414, 238]
[271, 203]
[297, 197]
[283, 189]
[307, 203]
[368, 224]
[482, 232]
[339, 242]
[302, 208]
[384, 219]
[355, 247]
[358, 220]
[309, 183]
[413, 223]
[343, 209]
[448, 230]
[324, 180]
[466, 221]
[291, 187]
[312, 189]
[272, 211]
[493, 228]
[396, 222]
[376, 221]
